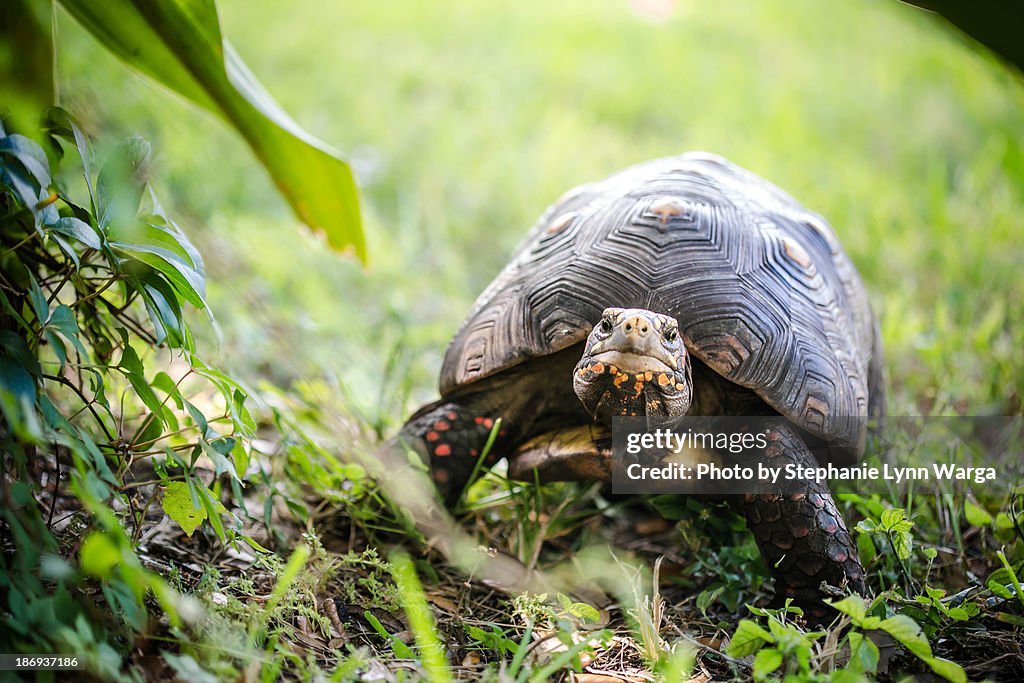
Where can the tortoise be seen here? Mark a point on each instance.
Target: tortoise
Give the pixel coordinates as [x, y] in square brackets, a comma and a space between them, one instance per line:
[681, 286]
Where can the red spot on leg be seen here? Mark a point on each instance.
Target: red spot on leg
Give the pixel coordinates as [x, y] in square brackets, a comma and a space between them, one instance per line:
[451, 415]
[502, 432]
[440, 476]
[433, 436]
[597, 367]
[473, 452]
[479, 420]
[441, 425]
[488, 422]
[443, 450]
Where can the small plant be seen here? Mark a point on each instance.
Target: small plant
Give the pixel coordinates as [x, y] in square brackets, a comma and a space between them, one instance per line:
[564, 624]
[92, 302]
[895, 528]
[735, 563]
[782, 646]
[800, 656]
[495, 640]
[863, 651]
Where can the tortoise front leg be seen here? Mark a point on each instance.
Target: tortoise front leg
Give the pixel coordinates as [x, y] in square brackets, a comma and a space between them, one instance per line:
[801, 535]
[450, 436]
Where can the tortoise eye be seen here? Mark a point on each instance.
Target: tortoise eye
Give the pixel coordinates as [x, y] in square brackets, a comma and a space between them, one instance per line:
[606, 325]
[671, 334]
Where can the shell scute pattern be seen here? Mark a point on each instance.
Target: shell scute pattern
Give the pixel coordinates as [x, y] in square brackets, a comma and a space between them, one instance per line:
[763, 292]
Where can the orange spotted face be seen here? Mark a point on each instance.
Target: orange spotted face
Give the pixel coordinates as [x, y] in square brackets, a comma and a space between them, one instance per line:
[634, 363]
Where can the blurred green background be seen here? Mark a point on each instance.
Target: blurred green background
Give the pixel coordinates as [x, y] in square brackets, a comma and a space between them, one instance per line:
[464, 120]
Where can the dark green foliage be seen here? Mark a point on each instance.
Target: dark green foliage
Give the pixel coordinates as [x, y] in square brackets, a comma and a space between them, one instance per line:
[99, 391]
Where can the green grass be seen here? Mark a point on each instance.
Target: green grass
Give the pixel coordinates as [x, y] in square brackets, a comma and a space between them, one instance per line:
[466, 119]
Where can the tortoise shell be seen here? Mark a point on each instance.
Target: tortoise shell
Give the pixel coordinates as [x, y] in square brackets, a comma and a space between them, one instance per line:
[763, 292]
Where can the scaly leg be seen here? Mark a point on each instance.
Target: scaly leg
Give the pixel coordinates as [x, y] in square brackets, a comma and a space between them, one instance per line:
[450, 436]
[801, 535]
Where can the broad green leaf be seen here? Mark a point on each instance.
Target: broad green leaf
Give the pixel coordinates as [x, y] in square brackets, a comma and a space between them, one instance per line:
[951, 671]
[220, 463]
[188, 669]
[779, 630]
[164, 311]
[197, 416]
[177, 503]
[976, 516]
[62, 320]
[353, 471]
[163, 240]
[253, 544]
[153, 430]
[131, 362]
[584, 612]
[958, 613]
[240, 456]
[30, 155]
[748, 639]
[870, 623]
[909, 633]
[895, 519]
[866, 549]
[38, 300]
[15, 348]
[58, 347]
[179, 44]
[166, 384]
[167, 252]
[670, 507]
[136, 374]
[852, 606]
[766, 661]
[98, 555]
[80, 230]
[224, 445]
[706, 597]
[999, 583]
[60, 123]
[863, 653]
[214, 509]
[67, 249]
[17, 382]
[904, 544]
[1003, 521]
[13, 175]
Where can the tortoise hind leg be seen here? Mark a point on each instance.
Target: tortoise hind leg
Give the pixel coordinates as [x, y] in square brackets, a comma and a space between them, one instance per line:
[801, 535]
[450, 435]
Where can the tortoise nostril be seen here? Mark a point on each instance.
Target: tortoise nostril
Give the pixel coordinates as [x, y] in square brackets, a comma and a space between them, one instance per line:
[636, 325]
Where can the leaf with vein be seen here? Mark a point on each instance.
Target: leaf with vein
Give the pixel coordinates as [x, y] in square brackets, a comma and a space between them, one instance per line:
[179, 44]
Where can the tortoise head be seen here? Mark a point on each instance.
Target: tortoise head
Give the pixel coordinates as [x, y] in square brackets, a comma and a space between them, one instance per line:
[634, 363]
